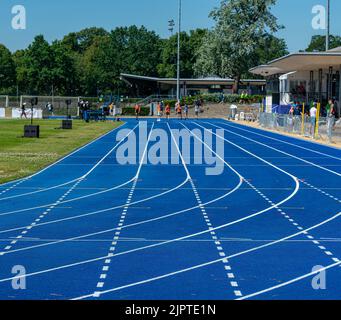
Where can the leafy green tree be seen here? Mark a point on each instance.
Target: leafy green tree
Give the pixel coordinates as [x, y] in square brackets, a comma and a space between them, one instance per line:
[7, 70]
[240, 27]
[82, 40]
[64, 76]
[318, 43]
[190, 44]
[269, 48]
[39, 63]
[127, 49]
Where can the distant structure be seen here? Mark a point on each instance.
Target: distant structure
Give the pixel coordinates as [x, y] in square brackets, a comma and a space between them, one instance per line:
[142, 86]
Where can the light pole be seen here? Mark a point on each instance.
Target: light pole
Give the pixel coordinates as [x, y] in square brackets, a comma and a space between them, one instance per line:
[178, 96]
[328, 25]
[171, 25]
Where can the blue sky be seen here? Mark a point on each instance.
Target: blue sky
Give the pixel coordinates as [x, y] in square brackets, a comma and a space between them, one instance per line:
[54, 19]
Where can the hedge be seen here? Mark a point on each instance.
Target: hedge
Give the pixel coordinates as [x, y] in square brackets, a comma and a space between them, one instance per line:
[216, 98]
[130, 111]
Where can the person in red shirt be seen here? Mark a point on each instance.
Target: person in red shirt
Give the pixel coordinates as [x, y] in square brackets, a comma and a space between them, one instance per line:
[137, 111]
[179, 110]
[168, 111]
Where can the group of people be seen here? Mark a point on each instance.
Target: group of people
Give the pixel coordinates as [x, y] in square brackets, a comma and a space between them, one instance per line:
[181, 110]
[84, 106]
[329, 111]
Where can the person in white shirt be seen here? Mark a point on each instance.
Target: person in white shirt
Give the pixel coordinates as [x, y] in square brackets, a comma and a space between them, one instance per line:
[313, 113]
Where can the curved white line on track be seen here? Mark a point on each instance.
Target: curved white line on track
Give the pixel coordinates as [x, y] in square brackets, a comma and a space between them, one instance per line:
[138, 223]
[210, 262]
[285, 284]
[62, 159]
[275, 139]
[170, 241]
[277, 150]
[82, 197]
[80, 178]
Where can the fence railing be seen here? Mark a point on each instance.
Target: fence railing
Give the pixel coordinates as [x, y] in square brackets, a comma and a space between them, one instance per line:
[325, 128]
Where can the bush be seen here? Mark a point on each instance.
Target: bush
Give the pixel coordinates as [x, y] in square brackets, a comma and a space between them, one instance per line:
[130, 111]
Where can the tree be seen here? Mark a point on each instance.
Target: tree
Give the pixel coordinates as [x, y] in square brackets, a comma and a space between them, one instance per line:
[318, 43]
[269, 48]
[125, 50]
[82, 40]
[241, 26]
[39, 63]
[64, 75]
[7, 70]
[190, 44]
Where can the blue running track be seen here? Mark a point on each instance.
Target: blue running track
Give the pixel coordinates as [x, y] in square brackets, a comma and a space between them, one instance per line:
[90, 228]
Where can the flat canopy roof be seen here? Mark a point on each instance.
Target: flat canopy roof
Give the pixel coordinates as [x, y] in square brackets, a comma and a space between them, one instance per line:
[201, 81]
[302, 61]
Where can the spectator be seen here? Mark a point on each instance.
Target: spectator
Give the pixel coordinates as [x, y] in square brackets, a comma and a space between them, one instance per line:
[186, 109]
[313, 114]
[168, 111]
[23, 111]
[137, 111]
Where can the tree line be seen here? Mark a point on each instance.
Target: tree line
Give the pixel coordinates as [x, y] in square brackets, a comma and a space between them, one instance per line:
[89, 62]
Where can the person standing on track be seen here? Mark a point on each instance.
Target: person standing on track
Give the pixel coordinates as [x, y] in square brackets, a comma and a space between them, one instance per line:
[168, 111]
[159, 112]
[186, 109]
[137, 111]
[197, 109]
[178, 109]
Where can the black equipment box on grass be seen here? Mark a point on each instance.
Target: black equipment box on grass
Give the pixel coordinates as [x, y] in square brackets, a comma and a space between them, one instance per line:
[66, 124]
[31, 131]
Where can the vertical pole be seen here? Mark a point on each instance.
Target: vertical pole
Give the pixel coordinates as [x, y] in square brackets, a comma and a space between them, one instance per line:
[303, 119]
[328, 25]
[178, 95]
[317, 120]
[339, 97]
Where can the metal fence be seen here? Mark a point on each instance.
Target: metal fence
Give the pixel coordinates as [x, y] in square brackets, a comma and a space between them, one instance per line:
[327, 129]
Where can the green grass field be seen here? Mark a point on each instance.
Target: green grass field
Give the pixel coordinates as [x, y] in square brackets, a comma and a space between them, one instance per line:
[20, 157]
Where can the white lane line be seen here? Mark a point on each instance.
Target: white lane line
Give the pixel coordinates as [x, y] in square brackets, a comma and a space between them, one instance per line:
[308, 236]
[321, 191]
[266, 198]
[82, 178]
[8, 249]
[252, 154]
[209, 263]
[282, 141]
[277, 150]
[64, 158]
[305, 276]
[112, 249]
[12, 187]
[184, 238]
[220, 249]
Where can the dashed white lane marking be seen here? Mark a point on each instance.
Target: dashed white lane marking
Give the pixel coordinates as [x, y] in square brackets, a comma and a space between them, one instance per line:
[13, 186]
[106, 267]
[292, 221]
[112, 249]
[42, 216]
[227, 266]
[321, 191]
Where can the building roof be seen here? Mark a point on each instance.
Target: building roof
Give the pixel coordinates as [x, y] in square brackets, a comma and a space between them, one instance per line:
[301, 61]
[201, 81]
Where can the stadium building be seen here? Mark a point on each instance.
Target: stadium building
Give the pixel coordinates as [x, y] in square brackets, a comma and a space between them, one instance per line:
[303, 77]
[142, 86]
